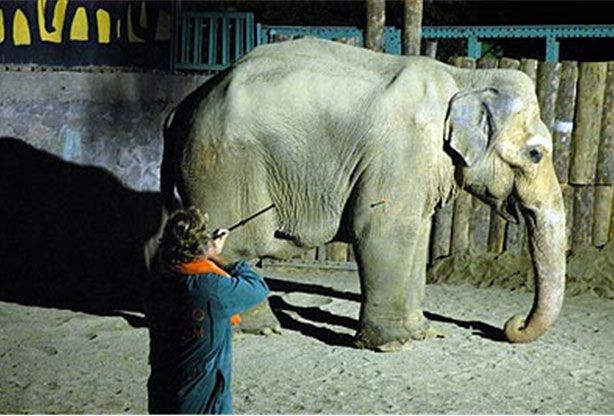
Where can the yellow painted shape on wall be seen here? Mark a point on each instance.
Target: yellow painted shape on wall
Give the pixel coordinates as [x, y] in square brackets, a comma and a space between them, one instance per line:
[59, 15]
[103, 21]
[163, 29]
[79, 27]
[21, 29]
[143, 17]
[1, 26]
[132, 37]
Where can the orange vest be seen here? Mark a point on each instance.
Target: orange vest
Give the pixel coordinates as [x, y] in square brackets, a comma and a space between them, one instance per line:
[203, 266]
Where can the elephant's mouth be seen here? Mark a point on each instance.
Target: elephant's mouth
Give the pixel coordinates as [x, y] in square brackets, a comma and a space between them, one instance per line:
[509, 208]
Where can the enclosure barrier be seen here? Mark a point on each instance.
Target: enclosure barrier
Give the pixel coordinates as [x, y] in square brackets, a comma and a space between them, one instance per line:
[210, 41]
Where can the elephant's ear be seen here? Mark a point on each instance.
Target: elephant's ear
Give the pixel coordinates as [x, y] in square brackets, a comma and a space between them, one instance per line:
[473, 120]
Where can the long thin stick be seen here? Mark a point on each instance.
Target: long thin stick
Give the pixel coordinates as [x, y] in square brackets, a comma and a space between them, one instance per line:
[251, 217]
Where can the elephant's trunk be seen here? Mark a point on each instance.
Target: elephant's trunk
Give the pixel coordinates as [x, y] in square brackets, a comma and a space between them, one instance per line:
[547, 243]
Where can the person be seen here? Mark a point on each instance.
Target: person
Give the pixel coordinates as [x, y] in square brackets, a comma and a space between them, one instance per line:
[189, 307]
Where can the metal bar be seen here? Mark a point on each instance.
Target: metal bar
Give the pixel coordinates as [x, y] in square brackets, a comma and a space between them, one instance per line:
[552, 49]
[251, 43]
[212, 41]
[239, 41]
[184, 39]
[474, 47]
[225, 41]
[198, 41]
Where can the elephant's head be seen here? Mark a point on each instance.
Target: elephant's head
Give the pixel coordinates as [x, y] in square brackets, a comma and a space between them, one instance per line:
[503, 155]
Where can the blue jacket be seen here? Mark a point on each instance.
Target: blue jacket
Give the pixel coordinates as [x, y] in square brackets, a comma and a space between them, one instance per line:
[191, 338]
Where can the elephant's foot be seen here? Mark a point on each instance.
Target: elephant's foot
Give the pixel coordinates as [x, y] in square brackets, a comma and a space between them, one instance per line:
[421, 328]
[259, 320]
[396, 336]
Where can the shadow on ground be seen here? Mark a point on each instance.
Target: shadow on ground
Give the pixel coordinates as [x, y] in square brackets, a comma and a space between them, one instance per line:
[72, 235]
[286, 313]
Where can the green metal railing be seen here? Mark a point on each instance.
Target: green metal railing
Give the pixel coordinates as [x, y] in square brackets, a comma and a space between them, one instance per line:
[551, 34]
[211, 41]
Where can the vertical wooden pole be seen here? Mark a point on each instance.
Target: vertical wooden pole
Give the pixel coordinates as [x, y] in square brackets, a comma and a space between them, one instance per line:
[376, 21]
[602, 212]
[585, 138]
[513, 234]
[441, 231]
[496, 227]
[460, 222]
[605, 159]
[337, 252]
[563, 125]
[488, 63]
[479, 227]
[568, 193]
[529, 67]
[463, 205]
[583, 201]
[584, 148]
[548, 76]
[604, 198]
[430, 48]
[509, 63]
[412, 29]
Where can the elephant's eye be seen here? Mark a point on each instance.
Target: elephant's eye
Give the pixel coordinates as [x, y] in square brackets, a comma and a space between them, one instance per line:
[535, 154]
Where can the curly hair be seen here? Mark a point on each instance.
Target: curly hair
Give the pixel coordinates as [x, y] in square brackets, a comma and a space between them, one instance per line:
[185, 236]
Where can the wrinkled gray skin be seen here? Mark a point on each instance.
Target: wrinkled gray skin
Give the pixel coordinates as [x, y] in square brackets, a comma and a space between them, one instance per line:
[325, 130]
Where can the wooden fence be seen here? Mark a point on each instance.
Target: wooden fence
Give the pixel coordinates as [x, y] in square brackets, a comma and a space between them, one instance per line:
[577, 105]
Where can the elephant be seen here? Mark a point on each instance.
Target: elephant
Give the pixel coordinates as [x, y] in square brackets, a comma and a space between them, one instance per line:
[358, 146]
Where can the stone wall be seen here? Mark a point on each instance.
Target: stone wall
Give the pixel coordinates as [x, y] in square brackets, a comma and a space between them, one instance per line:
[109, 120]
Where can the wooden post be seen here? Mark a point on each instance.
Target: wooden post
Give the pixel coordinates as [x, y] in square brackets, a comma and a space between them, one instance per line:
[337, 251]
[479, 226]
[548, 75]
[511, 234]
[529, 67]
[430, 48]
[604, 190]
[602, 212]
[412, 29]
[515, 239]
[488, 63]
[463, 205]
[563, 125]
[509, 63]
[441, 231]
[583, 200]
[585, 138]
[605, 160]
[568, 192]
[460, 222]
[376, 21]
[496, 227]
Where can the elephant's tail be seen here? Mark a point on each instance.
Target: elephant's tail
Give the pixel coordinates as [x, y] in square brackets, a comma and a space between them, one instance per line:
[167, 169]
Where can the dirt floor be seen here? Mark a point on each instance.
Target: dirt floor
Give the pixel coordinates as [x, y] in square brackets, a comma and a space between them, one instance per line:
[60, 361]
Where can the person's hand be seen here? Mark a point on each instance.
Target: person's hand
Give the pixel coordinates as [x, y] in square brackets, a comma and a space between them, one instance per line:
[216, 245]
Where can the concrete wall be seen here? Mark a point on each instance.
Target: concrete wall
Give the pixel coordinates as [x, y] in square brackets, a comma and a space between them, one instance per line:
[79, 176]
[110, 120]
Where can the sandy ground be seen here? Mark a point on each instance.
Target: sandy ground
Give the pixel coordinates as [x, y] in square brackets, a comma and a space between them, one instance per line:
[60, 361]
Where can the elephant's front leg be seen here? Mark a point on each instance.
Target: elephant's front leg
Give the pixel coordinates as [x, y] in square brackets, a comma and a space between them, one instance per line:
[392, 287]
[420, 326]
